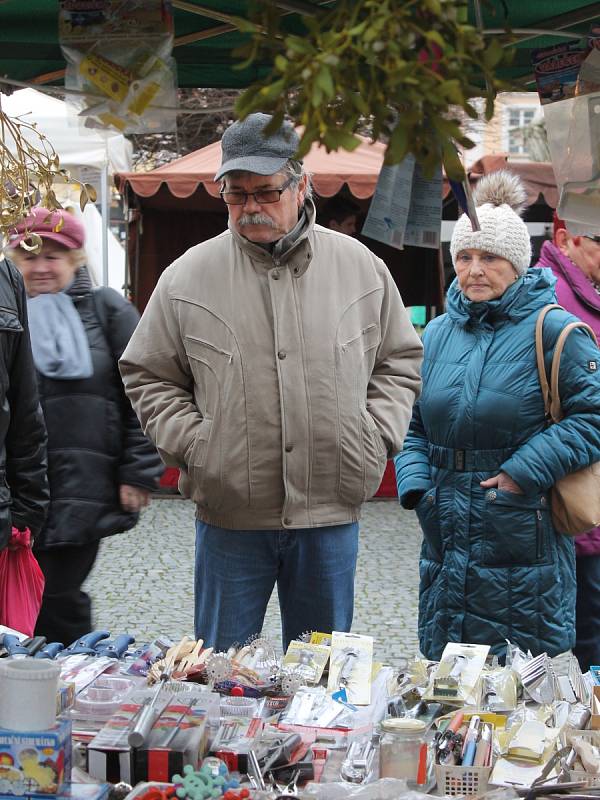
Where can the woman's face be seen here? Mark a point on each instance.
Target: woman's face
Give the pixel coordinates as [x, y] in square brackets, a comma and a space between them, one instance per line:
[483, 276]
[47, 272]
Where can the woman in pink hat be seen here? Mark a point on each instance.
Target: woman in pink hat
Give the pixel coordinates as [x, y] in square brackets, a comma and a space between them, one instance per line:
[101, 468]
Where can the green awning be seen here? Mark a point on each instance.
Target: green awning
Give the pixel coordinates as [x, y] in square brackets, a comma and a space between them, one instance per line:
[29, 49]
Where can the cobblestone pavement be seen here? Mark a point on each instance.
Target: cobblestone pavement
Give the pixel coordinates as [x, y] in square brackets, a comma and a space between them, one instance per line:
[142, 581]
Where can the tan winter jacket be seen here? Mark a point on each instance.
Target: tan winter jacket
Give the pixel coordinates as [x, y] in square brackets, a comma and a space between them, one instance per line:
[279, 388]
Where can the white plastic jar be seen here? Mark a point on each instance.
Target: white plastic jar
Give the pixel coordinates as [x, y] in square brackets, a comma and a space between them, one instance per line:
[28, 694]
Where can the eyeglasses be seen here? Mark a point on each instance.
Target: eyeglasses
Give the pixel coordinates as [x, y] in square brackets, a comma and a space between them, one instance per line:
[262, 196]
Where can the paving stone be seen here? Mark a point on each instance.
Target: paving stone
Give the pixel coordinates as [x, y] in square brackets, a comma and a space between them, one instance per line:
[142, 581]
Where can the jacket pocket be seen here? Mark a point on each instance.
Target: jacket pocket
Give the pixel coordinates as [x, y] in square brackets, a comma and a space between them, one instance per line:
[517, 530]
[429, 519]
[363, 460]
[203, 481]
[368, 338]
[9, 321]
[197, 348]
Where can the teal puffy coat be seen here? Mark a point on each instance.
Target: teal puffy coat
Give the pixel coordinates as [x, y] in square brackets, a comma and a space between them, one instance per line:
[492, 566]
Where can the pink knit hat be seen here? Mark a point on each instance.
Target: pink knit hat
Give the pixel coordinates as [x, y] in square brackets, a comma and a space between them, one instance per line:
[71, 233]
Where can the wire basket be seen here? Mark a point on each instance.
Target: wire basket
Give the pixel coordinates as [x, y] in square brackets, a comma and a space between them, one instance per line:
[454, 780]
[589, 778]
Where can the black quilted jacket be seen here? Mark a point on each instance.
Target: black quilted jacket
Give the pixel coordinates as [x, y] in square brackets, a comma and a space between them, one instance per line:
[95, 442]
[23, 484]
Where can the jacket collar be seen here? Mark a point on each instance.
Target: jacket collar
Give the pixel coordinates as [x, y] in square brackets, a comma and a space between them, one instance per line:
[297, 256]
[82, 283]
[529, 293]
[562, 266]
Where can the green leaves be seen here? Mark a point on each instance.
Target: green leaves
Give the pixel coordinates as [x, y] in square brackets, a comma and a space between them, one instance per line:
[402, 66]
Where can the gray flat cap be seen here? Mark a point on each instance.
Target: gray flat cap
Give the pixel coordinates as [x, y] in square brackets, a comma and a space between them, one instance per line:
[245, 147]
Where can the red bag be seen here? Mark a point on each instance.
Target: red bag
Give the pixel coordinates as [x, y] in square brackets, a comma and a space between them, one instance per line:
[21, 584]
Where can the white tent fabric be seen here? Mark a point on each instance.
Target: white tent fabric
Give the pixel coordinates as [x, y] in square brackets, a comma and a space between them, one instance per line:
[93, 249]
[80, 150]
[75, 145]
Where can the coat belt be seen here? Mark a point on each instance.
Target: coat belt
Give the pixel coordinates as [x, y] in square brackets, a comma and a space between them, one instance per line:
[468, 460]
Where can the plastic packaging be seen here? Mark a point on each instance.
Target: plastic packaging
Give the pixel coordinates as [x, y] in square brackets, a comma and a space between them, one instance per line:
[28, 694]
[119, 63]
[101, 698]
[573, 128]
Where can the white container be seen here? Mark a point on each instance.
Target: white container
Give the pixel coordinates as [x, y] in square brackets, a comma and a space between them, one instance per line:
[28, 694]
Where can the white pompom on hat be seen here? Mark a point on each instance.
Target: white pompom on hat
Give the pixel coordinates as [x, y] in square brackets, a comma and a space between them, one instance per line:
[500, 198]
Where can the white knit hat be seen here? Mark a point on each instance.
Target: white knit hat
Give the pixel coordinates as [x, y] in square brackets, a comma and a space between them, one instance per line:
[499, 198]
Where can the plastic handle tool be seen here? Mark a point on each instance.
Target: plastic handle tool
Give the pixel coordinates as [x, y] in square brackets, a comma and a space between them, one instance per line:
[13, 645]
[115, 648]
[86, 645]
[50, 650]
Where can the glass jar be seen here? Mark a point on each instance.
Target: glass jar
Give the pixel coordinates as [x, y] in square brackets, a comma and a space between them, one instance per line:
[406, 751]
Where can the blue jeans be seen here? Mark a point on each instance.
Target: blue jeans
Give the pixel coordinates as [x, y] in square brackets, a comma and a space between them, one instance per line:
[236, 571]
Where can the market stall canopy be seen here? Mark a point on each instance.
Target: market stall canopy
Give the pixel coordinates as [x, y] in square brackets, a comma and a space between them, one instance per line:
[330, 171]
[75, 145]
[205, 36]
[358, 170]
[538, 177]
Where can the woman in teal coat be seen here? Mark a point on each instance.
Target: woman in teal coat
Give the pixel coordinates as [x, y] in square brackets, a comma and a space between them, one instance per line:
[479, 459]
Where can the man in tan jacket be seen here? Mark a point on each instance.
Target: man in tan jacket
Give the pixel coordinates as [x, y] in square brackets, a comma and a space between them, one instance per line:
[276, 366]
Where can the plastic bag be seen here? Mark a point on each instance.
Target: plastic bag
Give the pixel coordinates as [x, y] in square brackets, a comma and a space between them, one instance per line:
[21, 584]
[120, 64]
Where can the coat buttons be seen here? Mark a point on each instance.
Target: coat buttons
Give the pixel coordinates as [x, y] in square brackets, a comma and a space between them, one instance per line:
[275, 274]
[289, 448]
[287, 521]
[281, 354]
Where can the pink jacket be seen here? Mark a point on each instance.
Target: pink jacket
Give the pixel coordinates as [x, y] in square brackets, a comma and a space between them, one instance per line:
[575, 293]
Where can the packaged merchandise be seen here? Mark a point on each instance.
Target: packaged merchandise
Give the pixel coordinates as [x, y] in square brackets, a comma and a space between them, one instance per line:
[36, 763]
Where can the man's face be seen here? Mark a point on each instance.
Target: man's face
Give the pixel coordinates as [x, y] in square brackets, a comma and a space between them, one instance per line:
[264, 222]
[348, 225]
[585, 254]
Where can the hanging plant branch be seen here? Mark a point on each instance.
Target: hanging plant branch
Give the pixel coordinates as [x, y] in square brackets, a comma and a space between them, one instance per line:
[410, 67]
[29, 167]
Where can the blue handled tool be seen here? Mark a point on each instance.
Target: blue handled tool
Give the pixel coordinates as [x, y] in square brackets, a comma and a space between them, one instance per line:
[13, 645]
[51, 650]
[115, 648]
[86, 645]
[33, 644]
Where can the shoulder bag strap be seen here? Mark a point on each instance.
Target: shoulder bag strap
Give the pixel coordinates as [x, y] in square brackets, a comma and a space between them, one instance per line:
[539, 353]
[555, 407]
[102, 315]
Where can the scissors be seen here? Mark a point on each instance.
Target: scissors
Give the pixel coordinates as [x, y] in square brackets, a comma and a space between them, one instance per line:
[289, 791]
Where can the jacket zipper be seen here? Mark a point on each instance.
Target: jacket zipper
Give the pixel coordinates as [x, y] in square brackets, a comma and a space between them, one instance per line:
[539, 529]
[358, 335]
[210, 346]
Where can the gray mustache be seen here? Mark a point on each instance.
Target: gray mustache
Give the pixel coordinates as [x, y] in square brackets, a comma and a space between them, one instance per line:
[256, 219]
